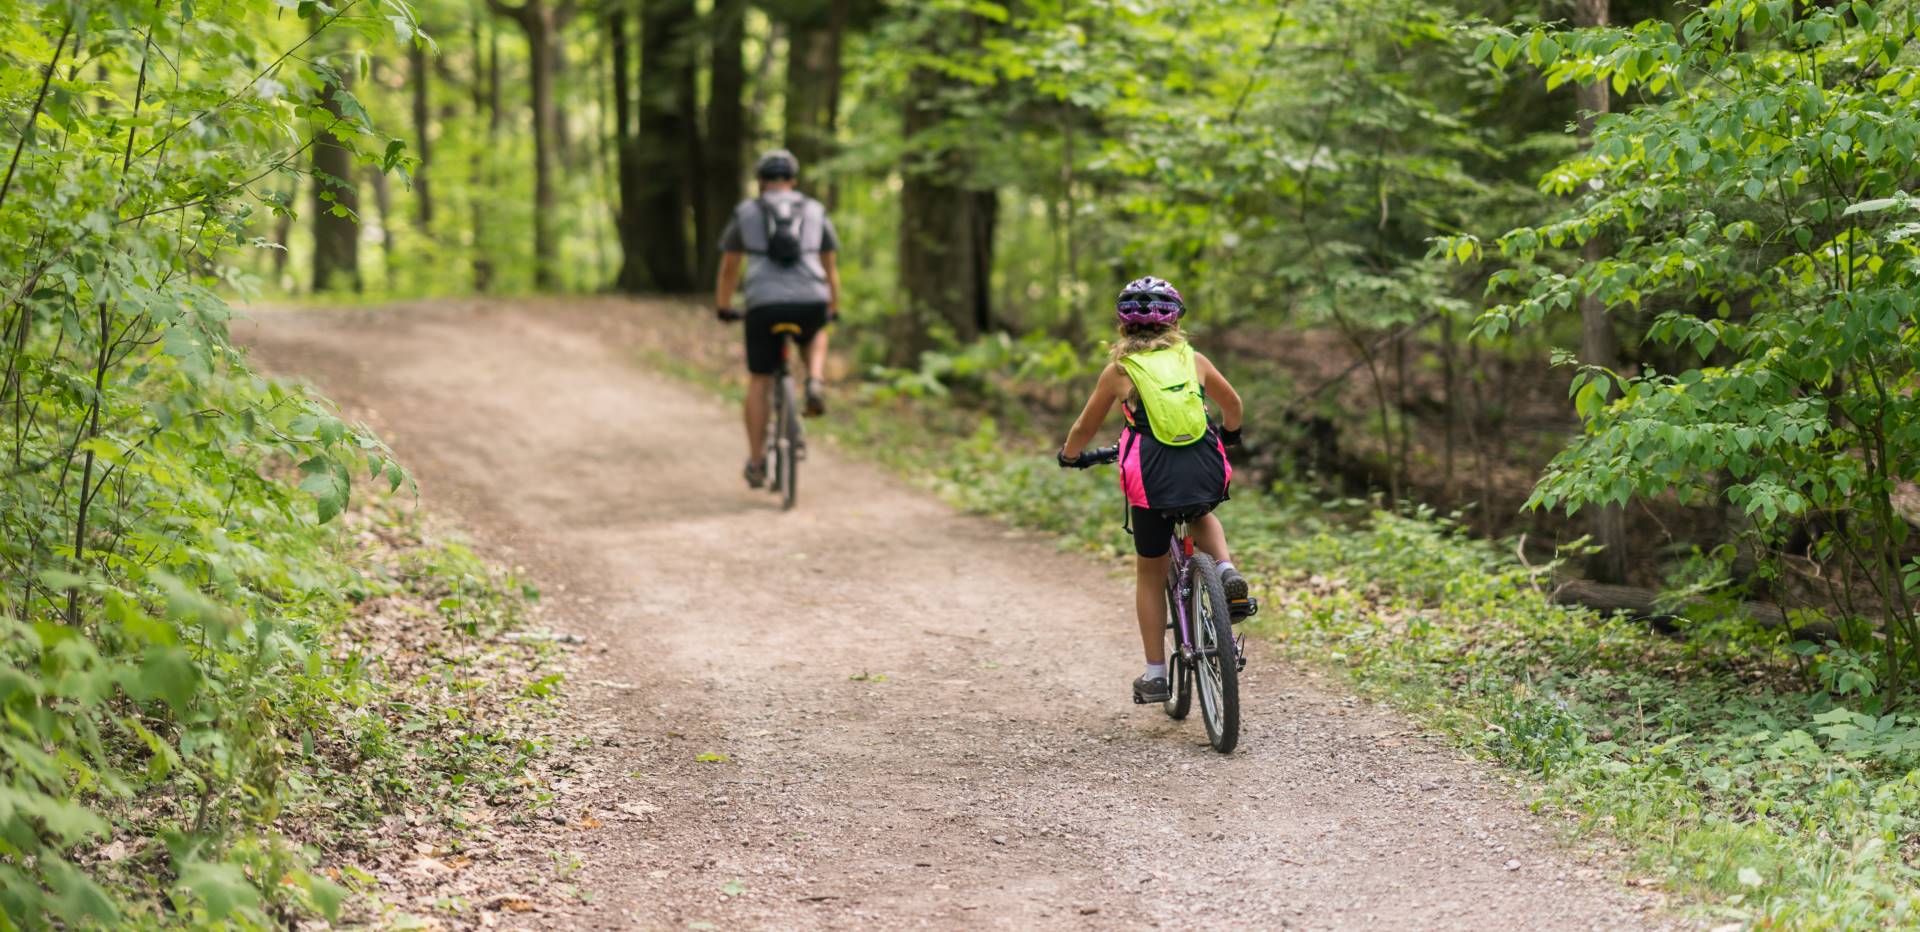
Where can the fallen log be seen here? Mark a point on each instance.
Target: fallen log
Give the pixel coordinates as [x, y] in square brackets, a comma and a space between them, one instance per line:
[1644, 603]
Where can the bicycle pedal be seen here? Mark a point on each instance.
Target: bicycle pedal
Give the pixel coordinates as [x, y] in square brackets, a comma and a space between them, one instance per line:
[1246, 608]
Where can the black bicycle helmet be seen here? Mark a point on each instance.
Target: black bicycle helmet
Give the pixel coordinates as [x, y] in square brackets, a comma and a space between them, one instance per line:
[777, 165]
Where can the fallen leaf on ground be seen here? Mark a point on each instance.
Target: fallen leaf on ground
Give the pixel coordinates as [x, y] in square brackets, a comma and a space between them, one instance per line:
[511, 902]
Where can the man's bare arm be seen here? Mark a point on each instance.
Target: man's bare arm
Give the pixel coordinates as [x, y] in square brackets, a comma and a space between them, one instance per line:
[729, 279]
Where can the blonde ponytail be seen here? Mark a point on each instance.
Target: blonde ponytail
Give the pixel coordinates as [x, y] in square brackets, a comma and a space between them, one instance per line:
[1134, 340]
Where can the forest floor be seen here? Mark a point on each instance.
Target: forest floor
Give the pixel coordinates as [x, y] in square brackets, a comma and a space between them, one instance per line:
[874, 711]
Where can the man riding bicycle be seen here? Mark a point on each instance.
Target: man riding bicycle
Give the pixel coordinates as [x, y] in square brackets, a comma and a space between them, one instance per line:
[792, 281]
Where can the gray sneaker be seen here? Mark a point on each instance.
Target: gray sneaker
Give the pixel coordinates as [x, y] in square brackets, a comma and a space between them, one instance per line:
[1238, 604]
[756, 474]
[1147, 691]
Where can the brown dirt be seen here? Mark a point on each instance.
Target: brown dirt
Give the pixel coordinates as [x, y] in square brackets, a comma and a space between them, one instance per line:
[997, 777]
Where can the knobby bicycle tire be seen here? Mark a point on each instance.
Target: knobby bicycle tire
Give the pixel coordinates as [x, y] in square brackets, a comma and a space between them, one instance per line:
[1223, 664]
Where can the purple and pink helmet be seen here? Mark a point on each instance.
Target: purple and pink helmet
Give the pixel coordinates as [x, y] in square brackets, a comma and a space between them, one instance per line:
[1149, 302]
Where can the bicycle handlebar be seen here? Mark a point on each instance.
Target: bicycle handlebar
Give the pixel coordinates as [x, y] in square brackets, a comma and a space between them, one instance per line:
[1089, 458]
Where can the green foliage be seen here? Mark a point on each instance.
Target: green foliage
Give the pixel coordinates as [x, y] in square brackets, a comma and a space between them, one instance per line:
[1755, 206]
[1280, 163]
[168, 596]
[1781, 807]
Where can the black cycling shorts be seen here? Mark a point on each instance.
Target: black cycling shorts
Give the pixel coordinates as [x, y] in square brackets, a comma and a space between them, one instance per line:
[763, 344]
[1153, 528]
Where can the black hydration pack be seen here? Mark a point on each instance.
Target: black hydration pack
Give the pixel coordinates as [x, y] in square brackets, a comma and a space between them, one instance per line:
[783, 229]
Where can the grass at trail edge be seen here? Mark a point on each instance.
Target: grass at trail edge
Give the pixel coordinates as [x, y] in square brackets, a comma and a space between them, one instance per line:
[1707, 757]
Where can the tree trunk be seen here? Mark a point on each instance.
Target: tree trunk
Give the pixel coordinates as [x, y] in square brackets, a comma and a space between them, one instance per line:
[694, 150]
[336, 204]
[664, 197]
[726, 128]
[813, 81]
[418, 68]
[486, 101]
[983, 213]
[383, 204]
[536, 18]
[946, 233]
[629, 219]
[1598, 345]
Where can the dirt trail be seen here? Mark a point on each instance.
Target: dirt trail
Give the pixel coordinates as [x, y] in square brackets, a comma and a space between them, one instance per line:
[997, 776]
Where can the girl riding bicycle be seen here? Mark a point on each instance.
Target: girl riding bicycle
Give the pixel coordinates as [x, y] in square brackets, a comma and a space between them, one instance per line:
[1173, 459]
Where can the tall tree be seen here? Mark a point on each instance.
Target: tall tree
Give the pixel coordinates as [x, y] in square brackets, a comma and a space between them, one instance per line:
[486, 107]
[815, 30]
[419, 71]
[665, 195]
[725, 141]
[336, 199]
[542, 22]
[616, 17]
[1598, 344]
[946, 226]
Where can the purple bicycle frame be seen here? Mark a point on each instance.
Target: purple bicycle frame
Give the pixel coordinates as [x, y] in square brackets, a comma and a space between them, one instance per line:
[1179, 578]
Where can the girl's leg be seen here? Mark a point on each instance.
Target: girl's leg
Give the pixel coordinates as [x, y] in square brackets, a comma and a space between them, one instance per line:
[1210, 537]
[1150, 599]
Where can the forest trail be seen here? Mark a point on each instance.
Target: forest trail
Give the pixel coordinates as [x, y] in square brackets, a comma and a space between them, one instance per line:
[998, 777]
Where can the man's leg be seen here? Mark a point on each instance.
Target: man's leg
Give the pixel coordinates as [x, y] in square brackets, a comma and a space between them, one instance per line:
[817, 356]
[816, 350]
[759, 399]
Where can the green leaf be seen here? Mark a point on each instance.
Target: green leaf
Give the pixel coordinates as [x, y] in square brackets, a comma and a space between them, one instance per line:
[61, 580]
[167, 674]
[222, 887]
[76, 896]
[1873, 206]
[329, 484]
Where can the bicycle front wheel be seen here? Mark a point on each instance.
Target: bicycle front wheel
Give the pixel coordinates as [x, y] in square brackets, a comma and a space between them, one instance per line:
[1216, 660]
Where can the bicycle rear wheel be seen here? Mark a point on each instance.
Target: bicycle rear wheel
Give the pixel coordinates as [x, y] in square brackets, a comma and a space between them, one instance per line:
[787, 420]
[1216, 664]
[775, 451]
[1179, 675]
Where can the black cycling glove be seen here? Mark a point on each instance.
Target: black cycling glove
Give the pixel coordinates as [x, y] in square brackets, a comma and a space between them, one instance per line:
[1230, 438]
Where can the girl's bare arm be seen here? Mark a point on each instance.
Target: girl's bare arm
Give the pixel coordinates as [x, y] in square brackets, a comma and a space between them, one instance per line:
[1222, 393]
[1099, 405]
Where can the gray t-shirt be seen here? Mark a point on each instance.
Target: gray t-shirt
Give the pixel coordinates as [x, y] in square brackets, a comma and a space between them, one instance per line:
[769, 282]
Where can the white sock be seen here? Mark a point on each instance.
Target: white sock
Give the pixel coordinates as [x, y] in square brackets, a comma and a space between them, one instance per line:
[1156, 671]
[1225, 565]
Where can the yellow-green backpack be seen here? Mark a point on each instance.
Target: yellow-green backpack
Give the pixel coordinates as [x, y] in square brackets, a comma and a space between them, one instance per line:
[1168, 383]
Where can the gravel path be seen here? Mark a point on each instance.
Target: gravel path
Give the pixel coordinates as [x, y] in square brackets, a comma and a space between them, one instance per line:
[924, 715]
